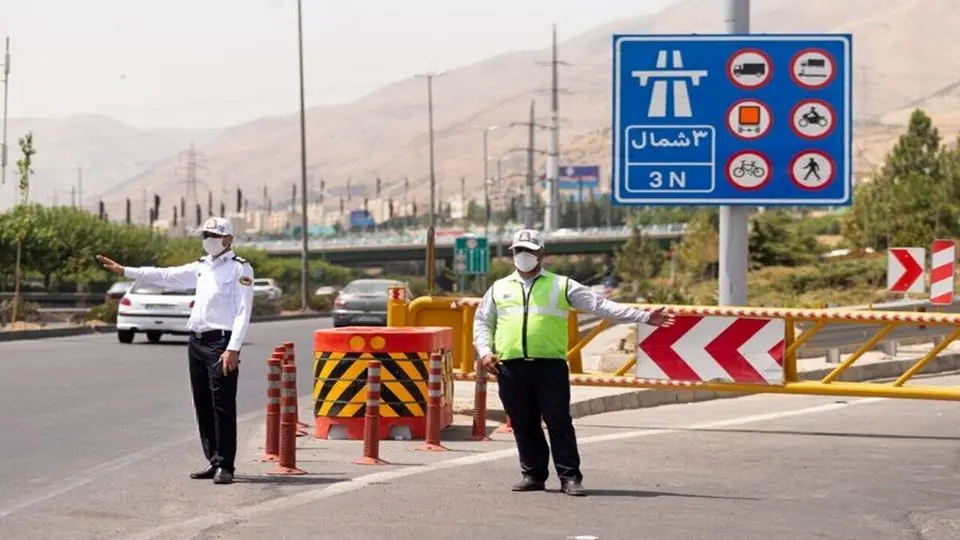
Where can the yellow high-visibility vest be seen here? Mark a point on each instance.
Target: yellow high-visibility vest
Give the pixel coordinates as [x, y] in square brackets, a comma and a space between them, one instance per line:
[532, 325]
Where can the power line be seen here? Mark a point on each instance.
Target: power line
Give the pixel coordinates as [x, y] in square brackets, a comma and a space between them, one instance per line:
[190, 201]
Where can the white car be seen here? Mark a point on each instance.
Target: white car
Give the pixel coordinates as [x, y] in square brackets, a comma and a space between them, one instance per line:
[153, 311]
[267, 287]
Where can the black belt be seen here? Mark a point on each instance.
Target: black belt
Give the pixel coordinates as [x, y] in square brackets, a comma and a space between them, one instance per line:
[211, 333]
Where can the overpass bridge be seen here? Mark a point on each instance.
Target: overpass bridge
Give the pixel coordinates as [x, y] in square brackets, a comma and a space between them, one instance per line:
[374, 249]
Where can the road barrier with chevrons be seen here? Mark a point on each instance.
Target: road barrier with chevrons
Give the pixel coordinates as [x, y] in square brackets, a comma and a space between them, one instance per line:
[754, 351]
[341, 357]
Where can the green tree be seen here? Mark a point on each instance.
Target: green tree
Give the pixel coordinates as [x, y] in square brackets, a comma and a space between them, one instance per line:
[23, 221]
[776, 239]
[699, 249]
[913, 198]
[639, 260]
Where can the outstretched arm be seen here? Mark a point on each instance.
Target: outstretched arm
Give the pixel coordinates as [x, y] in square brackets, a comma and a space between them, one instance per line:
[175, 277]
[584, 299]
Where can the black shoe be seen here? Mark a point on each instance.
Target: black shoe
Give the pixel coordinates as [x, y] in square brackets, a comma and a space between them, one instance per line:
[205, 474]
[572, 487]
[223, 477]
[528, 484]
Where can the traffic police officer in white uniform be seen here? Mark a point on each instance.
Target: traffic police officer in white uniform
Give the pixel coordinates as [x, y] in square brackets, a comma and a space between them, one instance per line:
[218, 323]
[520, 333]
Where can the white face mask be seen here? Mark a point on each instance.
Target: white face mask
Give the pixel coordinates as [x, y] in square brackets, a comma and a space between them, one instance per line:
[213, 246]
[525, 261]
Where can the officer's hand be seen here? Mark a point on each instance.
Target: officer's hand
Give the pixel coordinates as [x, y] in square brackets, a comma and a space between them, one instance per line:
[659, 318]
[229, 361]
[110, 264]
[491, 363]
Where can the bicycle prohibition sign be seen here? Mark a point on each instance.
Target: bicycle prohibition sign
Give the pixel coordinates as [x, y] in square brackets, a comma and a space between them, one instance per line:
[749, 168]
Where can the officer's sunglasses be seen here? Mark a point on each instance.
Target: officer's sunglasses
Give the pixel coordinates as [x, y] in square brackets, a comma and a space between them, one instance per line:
[525, 250]
[206, 235]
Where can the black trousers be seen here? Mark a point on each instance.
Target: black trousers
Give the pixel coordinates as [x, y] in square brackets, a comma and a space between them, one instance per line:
[214, 398]
[535, 389]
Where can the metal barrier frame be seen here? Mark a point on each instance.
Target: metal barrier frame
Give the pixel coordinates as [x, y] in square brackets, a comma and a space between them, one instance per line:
[401, 313]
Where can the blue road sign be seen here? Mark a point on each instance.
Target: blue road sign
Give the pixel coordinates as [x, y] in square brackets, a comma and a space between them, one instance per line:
[572, 176]
[759, 120]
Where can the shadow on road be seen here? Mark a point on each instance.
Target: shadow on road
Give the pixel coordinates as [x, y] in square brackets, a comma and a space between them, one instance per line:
[304, 480]
[637, 493]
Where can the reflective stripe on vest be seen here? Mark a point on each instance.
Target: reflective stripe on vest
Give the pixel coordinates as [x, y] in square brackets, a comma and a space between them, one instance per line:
[532, 325]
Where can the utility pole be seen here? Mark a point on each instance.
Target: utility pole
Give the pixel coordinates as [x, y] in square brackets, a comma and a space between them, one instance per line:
[429, 76]
[486, 181]
[80, 186]
[529, 220]
[734, 220]
[304, 222]
[551, 213]
[6, 91]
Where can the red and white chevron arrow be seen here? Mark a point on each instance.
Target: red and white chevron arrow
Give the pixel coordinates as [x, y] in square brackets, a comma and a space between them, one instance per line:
[905, 269]
[942, 271]
[707, 348]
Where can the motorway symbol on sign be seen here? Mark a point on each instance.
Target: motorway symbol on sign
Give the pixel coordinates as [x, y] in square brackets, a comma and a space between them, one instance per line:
[684, 105]
[813, 68]
[811, 170]
[707, 348]
[748, 170]
[905, 269]
[749, 69]
[471, 255]
[813, 119]
[749, 119]
[943, 266]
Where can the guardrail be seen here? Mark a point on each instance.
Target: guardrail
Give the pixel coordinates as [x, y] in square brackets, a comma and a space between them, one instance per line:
[446, 240]
[51, 300]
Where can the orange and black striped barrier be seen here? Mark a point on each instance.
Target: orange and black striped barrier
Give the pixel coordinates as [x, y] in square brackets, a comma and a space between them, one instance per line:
[371, 421]
[341, 359]
[287, 464]
[435, 389]
[271, 447]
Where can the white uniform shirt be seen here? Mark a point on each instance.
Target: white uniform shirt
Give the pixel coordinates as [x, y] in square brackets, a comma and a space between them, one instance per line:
[581, 298]
[224, 297]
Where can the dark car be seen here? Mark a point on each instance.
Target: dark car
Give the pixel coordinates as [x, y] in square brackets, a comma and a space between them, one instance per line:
[363, 302]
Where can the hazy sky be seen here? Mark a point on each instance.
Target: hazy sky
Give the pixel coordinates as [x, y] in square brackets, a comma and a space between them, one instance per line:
[211, 63]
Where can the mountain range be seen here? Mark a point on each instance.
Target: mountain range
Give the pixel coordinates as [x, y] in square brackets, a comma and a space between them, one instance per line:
[905, 56]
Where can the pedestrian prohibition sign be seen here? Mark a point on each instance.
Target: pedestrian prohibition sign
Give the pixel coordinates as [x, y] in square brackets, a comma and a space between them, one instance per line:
[759, 120]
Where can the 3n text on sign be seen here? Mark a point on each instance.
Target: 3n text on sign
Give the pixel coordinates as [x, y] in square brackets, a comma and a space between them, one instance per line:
[905, 269]
[732, 120]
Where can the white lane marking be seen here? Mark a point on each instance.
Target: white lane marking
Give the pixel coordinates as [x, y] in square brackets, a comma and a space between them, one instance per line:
[86, 476]
[198, 524]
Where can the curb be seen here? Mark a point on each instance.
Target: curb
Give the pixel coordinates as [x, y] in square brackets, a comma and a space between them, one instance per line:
[646, 398]
[43, 333]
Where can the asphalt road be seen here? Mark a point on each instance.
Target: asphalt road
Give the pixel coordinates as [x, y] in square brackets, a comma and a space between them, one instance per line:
[71, 406]
[756, 468]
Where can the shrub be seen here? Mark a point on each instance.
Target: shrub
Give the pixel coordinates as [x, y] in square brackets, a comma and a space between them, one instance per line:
[292, 302]
[263, 307]
[26, 312]
[104, 312]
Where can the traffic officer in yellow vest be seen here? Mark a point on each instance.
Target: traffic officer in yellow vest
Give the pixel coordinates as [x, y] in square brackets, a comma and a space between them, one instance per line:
[520, 333]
